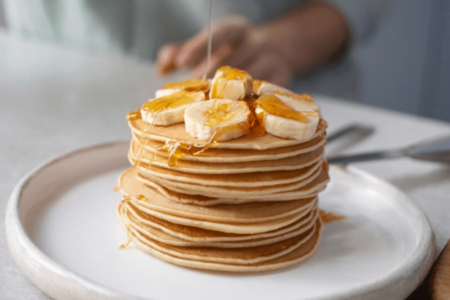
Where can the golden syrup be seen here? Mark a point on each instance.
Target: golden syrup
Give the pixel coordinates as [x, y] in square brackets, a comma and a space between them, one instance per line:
[223, 75]
[257, 84]
[193, 85]
[328, 216]
[142, 138]
[301, 97]
[150, 162]
[127, 242]
[218, 113]
[255, 125]
[176, 149]
[323, 124]
[140, 197]
[208, 50]
[134, 115]
[171, 101]
[274, 106]
[116, 189]
[232, 73]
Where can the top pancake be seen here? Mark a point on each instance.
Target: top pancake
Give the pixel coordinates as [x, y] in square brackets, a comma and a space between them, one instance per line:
[177, 132]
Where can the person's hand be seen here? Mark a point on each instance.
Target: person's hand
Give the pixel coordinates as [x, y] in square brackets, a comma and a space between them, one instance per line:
[235, 43]
[294, 43]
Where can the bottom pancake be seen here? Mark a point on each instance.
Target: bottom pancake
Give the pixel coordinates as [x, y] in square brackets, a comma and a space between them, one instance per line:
[297, 255]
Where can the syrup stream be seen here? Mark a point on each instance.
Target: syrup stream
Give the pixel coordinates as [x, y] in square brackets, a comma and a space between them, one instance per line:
[208, 54]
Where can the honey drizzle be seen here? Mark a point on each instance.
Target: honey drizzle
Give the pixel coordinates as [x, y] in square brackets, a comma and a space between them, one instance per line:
[177, 99]
[275, 106]
[257, 84]
[208, 53]
[126, 199]
[218, 113]
[141, 197]
[134, 115]
[192, 85]
[328, 216]
[142, 138]
[301, 97]
[177, 149]
[255, 126]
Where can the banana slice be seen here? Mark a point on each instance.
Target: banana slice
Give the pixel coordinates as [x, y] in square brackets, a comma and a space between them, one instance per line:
[294, 101]
[256, 85]
[193, 85]
[166, 92]
[283, 121]
[169, 109]
[218, 119]
[230, 83]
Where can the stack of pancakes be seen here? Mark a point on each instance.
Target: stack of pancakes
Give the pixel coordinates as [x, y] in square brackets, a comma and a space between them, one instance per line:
[243, 205]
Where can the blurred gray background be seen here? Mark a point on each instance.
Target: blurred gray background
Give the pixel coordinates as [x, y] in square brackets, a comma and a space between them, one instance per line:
[406, 65]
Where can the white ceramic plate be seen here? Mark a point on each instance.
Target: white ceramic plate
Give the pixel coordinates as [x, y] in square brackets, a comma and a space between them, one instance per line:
[63, 232]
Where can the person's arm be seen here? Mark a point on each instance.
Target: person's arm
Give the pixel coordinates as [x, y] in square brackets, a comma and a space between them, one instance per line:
[308, 36]
[294, 43]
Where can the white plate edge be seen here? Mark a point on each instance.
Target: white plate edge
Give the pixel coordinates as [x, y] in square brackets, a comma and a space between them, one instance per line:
[36, 263]
[422, 258]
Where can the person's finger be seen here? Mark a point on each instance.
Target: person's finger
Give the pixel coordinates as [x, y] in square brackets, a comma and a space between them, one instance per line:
[230, 31]
[270, 67]
[216, 61]
[165, 59]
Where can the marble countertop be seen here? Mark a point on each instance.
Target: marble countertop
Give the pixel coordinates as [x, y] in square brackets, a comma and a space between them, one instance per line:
[54, 99]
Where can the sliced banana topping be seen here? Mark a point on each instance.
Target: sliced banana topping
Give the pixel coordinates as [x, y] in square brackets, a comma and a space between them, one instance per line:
[257, 84]
[265, 87]
[294, 101]
[218, 119]
[169, 109]
[192, 85]
[230, 83]
[166, 92]
[287, 122]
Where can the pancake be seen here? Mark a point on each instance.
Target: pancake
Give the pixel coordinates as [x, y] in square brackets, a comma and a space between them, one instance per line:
[205, 236]
[235, 155]
[286, 164]
[254, 179]
[177, 132]
[233, 195]
[235, 191]
[239, 228]
[166, 238]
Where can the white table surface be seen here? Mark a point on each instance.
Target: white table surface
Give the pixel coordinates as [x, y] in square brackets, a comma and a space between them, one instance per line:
[54, 99]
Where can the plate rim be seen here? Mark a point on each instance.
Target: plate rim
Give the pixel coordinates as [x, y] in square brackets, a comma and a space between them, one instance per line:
[76, 286]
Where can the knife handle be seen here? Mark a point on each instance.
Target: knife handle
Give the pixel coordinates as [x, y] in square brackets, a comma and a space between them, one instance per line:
[346, 159]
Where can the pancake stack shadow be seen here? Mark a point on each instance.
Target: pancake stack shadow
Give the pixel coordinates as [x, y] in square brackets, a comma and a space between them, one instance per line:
[244, 205]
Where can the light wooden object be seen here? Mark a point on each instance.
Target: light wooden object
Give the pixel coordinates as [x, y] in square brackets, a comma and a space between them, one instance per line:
[439, 283]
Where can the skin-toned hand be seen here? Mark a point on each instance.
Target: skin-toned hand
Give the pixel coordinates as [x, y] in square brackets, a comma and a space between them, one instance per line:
[295, 43]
